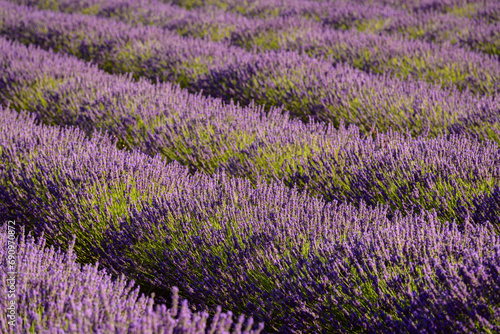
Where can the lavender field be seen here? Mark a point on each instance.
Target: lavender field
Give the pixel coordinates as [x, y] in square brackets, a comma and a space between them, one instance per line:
[250, 166]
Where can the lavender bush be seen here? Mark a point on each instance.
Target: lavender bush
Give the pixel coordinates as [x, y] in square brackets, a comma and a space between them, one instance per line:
[55, 294]
[294, 261]
[307, 87]
[208, 22]
[474, 33]
[444, 64]
[207, 135]
[116, 47]
[319, 166]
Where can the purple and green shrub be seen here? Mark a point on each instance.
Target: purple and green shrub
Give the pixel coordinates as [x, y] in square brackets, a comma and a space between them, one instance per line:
[199, 132]
[446, 65]
[214, 24]
[382, 218]
[460, 22]
[55, 294]
[454, 175]
[116, 47]
[443, 6]
[207, 135]
[310, 88]
[468, 32]
[315, 8]
[294, 261]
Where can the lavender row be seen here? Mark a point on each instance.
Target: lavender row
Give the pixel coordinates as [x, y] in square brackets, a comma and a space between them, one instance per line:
[469, 25]
[483, 9]
[55, 294]
[266, 8]
[305, 86]
[433, 27]
[377, 15]
[116, 47]
[215, 24]
[282, 8]
[457, 177]
[199, 132]
[455, 6]
[208, 135]
[407, 59]
[457, 27]
[309, 88]
[341, 14]
[298, 263]
[447, 65]
[252, 8]
[346, 13]
[467, 31]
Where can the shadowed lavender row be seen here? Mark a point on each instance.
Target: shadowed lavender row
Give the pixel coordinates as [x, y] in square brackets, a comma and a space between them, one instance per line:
[296, 262]
[208, 135]
[416, 60]
[54, 294]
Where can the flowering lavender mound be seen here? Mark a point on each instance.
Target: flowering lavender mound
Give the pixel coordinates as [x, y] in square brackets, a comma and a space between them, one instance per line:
[291, 260]
[153, 52]
[208, 135]
[205, 22]
[55, 294]
[317, 9]
[117, 47]
[321, 166]
[64, 90]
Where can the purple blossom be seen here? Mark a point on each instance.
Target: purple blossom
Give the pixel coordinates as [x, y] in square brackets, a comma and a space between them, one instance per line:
[55, 294]
[294, 261]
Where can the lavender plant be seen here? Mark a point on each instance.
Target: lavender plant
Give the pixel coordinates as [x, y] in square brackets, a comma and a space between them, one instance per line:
[294, 261]
[489, 13]
[443, 64]
[320, 9]
[311, 88]
[215, 24]
[306, 87]
[199, 132]
[407, 59]
[358, 229]
[55, 294]
[116, 47]
[448, 175]
[435, 5]
[468, 31]
[208, 135]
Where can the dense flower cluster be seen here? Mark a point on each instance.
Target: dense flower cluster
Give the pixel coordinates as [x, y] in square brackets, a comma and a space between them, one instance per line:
[155, 52]
[208, 135]
[288, 259]
[468, 29]
[306, 87]
[320, 166]
[319, 9]
[55, 294]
